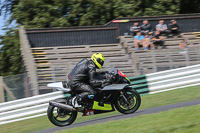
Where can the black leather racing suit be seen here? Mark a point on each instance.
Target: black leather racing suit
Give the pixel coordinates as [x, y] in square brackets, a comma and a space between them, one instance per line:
[82, 78]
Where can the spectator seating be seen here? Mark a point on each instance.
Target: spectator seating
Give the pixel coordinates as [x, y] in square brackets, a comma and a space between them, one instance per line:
[169, 42]
[167, 59]
[54, 63]
[197, 34]
[163, 59]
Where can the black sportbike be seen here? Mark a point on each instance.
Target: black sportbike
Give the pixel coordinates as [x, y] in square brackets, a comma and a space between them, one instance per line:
[116, 95]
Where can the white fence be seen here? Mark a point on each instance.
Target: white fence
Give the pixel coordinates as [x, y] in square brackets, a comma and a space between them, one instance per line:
[177, 78]
[158, 82]
[26, 108]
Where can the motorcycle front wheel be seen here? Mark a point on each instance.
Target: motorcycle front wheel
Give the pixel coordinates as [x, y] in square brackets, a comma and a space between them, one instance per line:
[127, 101]
[60, 117]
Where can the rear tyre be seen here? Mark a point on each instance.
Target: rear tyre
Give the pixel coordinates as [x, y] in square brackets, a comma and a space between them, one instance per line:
[60, 117]
[131, 105]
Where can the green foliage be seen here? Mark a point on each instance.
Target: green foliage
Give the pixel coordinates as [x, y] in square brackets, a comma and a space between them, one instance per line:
[64, 13]
[41, 13]
[59, 13]
[10, 58]
[161, 7]
[94, 12]
[189, 6]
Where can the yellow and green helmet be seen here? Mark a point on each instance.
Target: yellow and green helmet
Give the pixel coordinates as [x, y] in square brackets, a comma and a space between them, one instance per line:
[98, 59]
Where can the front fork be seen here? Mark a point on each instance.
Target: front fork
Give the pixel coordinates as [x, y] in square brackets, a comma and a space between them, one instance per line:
[122, 93]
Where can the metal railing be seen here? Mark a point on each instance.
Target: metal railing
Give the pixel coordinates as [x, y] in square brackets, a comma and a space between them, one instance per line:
[160, 60]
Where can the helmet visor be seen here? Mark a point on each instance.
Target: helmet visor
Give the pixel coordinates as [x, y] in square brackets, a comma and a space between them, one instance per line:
[100, 61]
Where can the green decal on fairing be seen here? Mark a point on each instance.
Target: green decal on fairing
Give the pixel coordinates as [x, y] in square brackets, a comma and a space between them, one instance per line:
[105, 107]
[66, 95]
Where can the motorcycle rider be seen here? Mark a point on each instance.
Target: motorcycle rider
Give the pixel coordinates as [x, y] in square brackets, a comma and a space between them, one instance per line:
[82, 78]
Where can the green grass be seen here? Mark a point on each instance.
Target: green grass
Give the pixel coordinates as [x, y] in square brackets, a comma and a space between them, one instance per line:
[181, 120]
[148, 101]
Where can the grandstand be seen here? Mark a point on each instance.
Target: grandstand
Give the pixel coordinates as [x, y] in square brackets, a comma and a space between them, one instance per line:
[164, 59]
[49, 54]
[54, 63]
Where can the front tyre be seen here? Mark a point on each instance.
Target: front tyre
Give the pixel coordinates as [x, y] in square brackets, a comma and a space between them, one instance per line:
[127, 101]
[60, 117]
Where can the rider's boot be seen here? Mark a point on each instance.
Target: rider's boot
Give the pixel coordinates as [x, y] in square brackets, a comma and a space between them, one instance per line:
[76, 102]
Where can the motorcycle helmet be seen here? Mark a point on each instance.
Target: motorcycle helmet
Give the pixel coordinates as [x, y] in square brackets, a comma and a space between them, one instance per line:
[98, 60]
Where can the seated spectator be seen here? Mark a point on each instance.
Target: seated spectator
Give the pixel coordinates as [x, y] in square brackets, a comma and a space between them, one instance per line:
[138, 41]
[146, 27]
[183, 45]
[162, 28]
[174, 28]
[158, 40]
[147, 42]
[135, 28]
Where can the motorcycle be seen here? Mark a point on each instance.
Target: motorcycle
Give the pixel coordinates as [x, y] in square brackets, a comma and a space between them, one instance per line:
[117, 95]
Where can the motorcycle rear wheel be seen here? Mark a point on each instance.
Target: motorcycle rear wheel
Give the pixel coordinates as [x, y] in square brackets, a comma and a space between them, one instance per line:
[60, 117]
[133, 98]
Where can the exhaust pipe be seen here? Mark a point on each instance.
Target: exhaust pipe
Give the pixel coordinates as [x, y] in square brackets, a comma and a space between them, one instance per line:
[62, 106]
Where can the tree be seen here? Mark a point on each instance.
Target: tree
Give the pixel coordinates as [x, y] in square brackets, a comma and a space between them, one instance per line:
[189, 6]
[41, 13]
[161, 7]
[62, 13]
[10, 58]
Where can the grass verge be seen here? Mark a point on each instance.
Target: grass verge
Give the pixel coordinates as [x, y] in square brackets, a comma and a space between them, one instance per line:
[181, 120]
[148, 101]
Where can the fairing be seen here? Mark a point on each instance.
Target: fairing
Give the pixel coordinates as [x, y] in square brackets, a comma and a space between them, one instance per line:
[59, 86]
[115, 87]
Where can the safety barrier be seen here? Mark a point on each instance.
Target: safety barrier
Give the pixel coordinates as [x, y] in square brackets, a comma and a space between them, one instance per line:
[139, 83]
[26, 108]
[145, 84]
[161, 81]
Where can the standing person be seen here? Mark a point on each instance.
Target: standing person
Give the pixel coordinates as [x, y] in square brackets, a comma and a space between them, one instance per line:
[158, 40]
[174, 28]
[82, 78]
[135, 28]
[146, 27]
[162, 28]
[183, 45]
[138, 40]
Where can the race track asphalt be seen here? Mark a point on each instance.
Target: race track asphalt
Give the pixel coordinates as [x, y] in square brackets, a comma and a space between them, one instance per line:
[122, 116]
